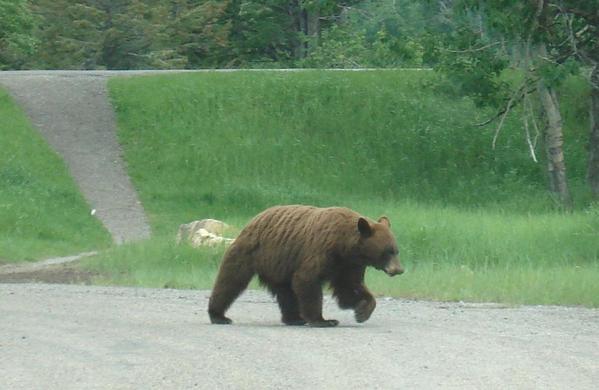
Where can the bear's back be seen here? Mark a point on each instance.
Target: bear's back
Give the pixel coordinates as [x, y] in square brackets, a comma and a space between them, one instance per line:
[282, 236]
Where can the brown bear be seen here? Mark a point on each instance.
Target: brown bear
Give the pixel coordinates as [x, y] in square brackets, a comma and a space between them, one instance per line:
[294, 250]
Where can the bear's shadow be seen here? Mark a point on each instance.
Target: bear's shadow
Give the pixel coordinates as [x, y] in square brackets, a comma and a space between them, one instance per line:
[265, 324]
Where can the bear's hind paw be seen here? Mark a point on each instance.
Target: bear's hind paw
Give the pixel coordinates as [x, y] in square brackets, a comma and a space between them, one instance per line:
[294, 322]
[324, 324]
[220, 320]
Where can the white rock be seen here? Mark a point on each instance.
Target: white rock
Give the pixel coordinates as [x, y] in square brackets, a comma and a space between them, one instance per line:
[205, 232]
[203, 237]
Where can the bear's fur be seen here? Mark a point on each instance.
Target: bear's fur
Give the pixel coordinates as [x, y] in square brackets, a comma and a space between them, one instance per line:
[294, 250]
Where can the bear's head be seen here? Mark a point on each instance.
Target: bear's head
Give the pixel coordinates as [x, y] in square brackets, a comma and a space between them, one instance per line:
[377, 246]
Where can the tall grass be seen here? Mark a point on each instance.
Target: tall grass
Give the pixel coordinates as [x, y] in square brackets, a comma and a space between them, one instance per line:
[41, 210]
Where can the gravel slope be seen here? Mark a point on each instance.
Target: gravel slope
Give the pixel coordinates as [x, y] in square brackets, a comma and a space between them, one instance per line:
[71, 110]
[72, 337]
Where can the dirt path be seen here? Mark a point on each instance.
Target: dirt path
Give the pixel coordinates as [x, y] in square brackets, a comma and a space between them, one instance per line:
[74, 337]
[71, 110]
[54, 270]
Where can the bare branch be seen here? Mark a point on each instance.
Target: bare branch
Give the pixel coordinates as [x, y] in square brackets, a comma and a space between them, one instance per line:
[528, 111]
[506, 111]
[520, 94]
[571, 35]
[534, 121]
[545, 58]
[582, 31]
[592, 18]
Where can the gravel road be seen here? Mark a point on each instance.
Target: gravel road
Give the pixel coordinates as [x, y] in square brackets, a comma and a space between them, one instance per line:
[74, 337]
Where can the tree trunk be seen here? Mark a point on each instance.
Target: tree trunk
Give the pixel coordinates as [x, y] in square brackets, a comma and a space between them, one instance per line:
[556, 165]
[593, 168]
[312, 28]
[297, 13]
[308, 24]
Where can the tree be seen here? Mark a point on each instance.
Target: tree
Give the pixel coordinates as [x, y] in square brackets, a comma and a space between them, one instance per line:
[128, 34]
[373, 34]
[113, 34]
[581, 17]
[16, 33]
[135, 36]
[593, 167]
[493, 35]
[236, 33]
[70, 34]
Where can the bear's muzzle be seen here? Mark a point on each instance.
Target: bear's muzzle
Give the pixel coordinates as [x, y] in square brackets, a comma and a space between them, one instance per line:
[393, 268]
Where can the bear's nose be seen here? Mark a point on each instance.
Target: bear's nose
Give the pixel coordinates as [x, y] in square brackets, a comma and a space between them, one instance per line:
[393, 269]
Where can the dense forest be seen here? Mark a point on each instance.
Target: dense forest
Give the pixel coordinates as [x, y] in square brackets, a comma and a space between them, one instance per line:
[134, 34]
[511, 56]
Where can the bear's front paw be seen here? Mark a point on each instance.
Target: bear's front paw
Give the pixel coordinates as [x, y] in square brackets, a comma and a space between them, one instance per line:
[364, 309]
[324, 323]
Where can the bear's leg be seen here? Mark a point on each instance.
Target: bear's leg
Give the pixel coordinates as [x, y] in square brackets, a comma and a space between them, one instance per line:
[351, 293]
[288, 304]
[357, 298]
[233, 277]
[309, 296]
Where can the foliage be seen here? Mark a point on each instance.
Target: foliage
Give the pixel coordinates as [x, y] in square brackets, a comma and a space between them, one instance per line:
[373, 34]
[545, 40]
[203, 32]
[131, 34]
[16, 28]
[134, 34]
[91, 34]
[69, 34]
[487, 38]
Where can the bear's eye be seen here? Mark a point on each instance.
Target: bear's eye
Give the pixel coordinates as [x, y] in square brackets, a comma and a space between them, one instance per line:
[389, 252]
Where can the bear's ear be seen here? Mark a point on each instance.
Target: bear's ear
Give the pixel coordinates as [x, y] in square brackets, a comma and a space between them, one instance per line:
[364, 227]
[385, 221]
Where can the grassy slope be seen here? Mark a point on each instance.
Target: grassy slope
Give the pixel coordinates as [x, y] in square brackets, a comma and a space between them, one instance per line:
[42, 213]
[233, 143]
[472, 223]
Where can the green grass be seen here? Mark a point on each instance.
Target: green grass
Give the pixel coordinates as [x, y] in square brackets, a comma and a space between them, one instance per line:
[42, 213]
[449, 254]
[157, 263]
[472, 223]
[526, 284]
[454, 254]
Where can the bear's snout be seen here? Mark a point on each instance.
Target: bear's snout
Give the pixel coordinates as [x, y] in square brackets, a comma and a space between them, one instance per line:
[393, 268]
